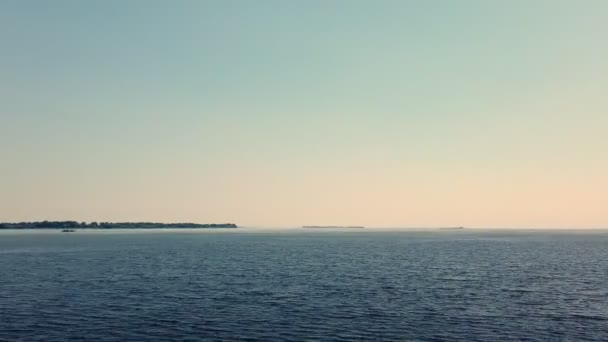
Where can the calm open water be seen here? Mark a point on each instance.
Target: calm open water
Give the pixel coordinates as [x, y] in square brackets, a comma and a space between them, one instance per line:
[303, 285]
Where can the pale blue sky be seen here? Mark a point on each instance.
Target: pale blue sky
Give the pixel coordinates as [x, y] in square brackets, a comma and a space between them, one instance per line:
[389, 113]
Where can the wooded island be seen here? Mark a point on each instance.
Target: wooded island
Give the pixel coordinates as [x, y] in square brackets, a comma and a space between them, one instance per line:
[109, 225]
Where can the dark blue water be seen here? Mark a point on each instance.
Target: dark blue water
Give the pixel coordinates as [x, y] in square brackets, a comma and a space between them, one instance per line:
[330, 286]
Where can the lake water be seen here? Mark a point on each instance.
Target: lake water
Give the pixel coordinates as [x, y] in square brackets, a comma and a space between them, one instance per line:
[303, 285]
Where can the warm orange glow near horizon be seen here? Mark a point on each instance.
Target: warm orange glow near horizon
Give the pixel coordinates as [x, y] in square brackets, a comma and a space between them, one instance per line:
[493, 116]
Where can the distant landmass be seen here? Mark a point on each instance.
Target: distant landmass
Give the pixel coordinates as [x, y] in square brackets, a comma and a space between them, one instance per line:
[358, 227]
[109, 225]
[451, 228]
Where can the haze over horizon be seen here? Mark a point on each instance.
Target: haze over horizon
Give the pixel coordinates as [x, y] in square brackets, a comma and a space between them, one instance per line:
[276, 113]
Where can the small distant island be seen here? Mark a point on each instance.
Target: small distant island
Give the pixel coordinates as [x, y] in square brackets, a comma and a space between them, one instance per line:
[451, 228]
[70, 225]
[350, 227]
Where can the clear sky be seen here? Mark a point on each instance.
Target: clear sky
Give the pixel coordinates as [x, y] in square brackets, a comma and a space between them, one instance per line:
[380, 113]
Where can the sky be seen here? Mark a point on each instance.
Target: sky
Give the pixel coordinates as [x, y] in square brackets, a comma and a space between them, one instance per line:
[274, 113]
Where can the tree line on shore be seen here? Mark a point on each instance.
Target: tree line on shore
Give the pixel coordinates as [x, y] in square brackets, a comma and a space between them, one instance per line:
[108, 225]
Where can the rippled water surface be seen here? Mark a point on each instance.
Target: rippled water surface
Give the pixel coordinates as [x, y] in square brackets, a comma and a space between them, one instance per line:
[313, 285]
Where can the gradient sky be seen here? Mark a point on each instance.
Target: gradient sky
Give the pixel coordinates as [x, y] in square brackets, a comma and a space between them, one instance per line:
[379, 113]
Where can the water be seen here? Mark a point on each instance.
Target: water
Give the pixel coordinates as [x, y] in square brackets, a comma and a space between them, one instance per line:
[313, 285]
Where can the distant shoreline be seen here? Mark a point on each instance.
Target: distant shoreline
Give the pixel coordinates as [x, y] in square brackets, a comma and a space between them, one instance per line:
[332, 227]
[110, 225]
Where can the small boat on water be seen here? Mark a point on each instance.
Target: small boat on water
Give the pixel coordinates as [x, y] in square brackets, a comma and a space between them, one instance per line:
[68, 230]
